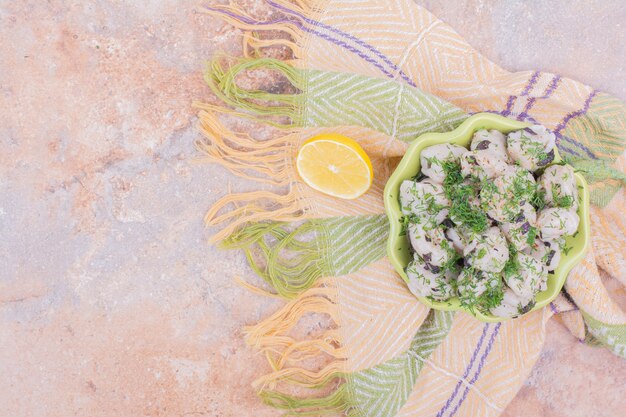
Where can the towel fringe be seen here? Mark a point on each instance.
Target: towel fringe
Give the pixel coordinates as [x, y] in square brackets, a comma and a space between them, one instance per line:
[337, 402]
[284, 349]
[286, 32]
[253, 45]
[287, 355]
[253, 207]
[313, 300]
[306, 349]
[302, 377]
[264, 106]
[242, 155]
[264, 161]
[238, 18]
[290, 260]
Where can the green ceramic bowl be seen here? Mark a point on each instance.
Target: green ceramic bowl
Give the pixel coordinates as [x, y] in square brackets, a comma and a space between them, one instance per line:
[398, 246]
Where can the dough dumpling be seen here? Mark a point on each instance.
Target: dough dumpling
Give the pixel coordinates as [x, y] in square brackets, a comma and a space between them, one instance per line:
[528, 278]
[433, 157]
[472, 284]
[517, 232]
[492, 141]
[512, 305]
[556, 222]
[490, 252]
[559, 186]
[502, 198]
[531, 147]
[423, 282]
[430, 244]
[425, 200]
[547, 253]
[460, 237]
[482, 164]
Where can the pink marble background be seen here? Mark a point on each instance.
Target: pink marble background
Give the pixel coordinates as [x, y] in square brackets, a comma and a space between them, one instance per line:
[111, 301]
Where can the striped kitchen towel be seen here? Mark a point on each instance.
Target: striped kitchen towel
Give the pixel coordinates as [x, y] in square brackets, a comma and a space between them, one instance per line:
[383, 72]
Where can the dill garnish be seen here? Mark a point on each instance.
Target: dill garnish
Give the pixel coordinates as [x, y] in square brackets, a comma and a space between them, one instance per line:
[539, 199]
[522, 188]
[525, 309]
[564, 201]
[532, 235]
[418, 177]
[451, 264]
[491, 298]
[567, 249]
[406, 220]
[459, 194]
[511, 266]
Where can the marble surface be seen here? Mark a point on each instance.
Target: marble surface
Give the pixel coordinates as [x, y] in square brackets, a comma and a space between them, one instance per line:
[111, 301]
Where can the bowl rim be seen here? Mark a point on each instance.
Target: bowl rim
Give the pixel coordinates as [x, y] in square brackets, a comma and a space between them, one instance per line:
[468, 127]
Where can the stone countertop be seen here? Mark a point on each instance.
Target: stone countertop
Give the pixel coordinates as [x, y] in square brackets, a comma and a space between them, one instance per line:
[111, 300]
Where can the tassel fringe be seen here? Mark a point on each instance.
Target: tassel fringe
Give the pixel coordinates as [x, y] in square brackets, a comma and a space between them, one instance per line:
[242, 155]
[259, 105]
[302, 377]
[288, 27]
[268, 162]
[287, 258]
[286, 356]
[290, 261]
[252, 207]
[337, 402]
[261, 161]
[314, 300]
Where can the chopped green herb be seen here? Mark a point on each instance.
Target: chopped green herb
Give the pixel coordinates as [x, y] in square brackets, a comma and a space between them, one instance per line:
[564, 201]
[451, 264]
[406, 220]
[481, 253]
[491, 298]
[433, 160]
[453, 173]
[567, 249]
[534, 147]
[522, 187]
[489, 188]
[459, 194]
[511, 267]
[442, 287]
[532, 235]
[539, 199]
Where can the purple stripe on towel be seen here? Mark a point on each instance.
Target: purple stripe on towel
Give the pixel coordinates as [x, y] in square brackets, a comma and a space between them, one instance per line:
[577, 113]
[546, 94]
[509, 106]
[531, 83]
[480, 367]
[575, 143]
[552, 87]
[467, 371]
[339, 32]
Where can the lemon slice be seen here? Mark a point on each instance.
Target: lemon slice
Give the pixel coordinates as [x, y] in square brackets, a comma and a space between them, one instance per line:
[336, 165]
